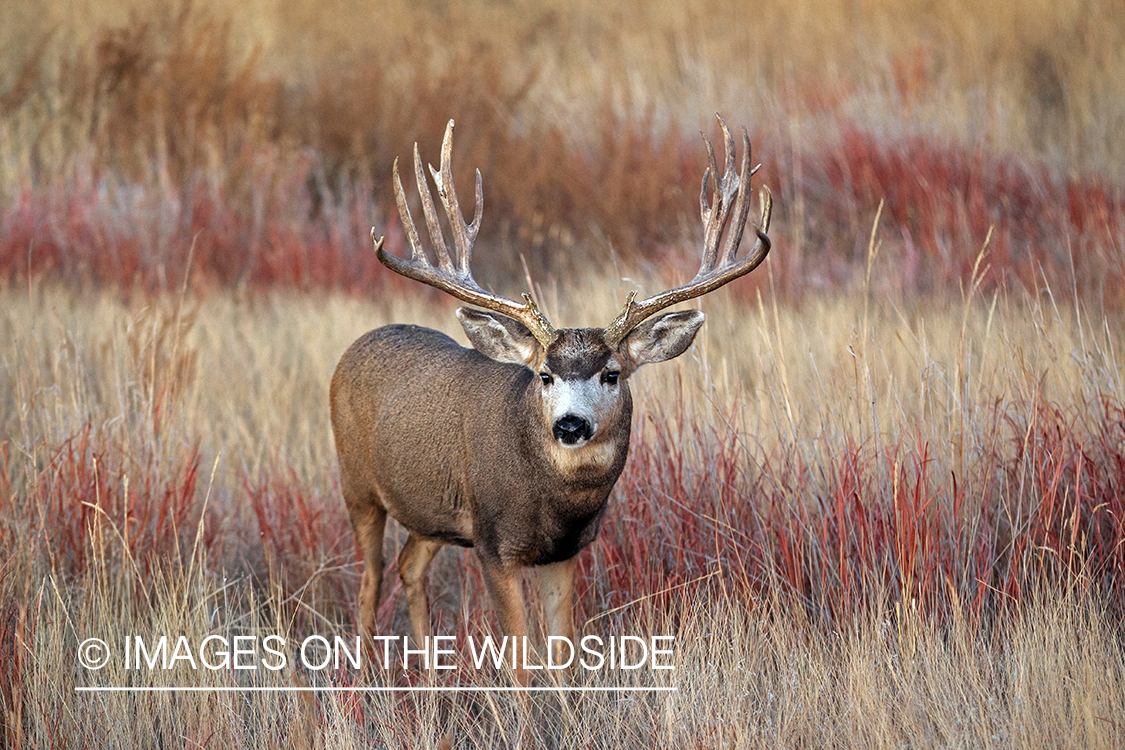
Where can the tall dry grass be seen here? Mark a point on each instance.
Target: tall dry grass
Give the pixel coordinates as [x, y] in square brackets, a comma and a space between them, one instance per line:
[865, 524]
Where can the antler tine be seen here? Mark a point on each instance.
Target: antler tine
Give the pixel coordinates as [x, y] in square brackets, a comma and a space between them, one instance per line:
[715, 216]
[707, 209]
[407, 220]
[463, 235]
[437, 237]
[741, 205]
[475, 226]
[712, 171]
[714, 270]
[453, 276]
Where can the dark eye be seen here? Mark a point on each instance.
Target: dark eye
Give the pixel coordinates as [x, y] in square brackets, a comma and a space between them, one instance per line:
[610, 378]
[546, 378]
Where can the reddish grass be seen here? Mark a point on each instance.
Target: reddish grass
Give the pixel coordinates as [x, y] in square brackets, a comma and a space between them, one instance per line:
[1038, 506]
[1041, 507]
[148, 508]
[15, 634]
[942, 200]
[279, 185]
[940, 205]
[304, 534]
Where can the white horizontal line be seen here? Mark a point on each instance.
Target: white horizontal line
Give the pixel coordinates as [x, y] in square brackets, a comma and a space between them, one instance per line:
[334, 689]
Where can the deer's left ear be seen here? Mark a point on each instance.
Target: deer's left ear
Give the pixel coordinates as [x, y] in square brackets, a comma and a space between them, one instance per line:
[499, 337]
[663, 338]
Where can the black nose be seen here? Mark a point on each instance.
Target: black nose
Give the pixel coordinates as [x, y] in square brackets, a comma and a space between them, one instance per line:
[571, 428]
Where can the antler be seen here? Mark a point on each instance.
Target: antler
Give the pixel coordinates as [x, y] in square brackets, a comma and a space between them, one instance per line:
[714, 270]
[452, 275]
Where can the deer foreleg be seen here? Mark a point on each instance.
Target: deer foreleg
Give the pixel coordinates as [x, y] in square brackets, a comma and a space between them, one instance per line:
[556, 590]
[503, 584]
[413, 561]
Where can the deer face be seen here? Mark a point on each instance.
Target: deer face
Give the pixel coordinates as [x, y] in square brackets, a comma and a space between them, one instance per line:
[581, 385]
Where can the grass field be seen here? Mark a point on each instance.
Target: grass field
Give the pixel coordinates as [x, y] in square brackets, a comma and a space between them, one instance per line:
[879, 502]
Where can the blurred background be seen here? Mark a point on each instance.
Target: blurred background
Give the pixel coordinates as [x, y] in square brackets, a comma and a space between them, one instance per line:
[266, 132]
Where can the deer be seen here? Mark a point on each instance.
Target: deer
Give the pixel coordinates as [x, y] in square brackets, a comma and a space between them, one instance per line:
[510, 446]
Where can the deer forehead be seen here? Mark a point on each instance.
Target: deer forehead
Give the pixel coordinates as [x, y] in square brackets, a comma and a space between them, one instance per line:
[578, 353]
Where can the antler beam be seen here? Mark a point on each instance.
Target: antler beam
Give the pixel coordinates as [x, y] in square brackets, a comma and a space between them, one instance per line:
[452, 274]
[715, 269]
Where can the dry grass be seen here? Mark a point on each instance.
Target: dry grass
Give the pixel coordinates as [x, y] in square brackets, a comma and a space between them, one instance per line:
[912, 518]
[747, 675]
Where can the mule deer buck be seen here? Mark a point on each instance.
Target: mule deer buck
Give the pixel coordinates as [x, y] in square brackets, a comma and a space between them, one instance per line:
[510, 447]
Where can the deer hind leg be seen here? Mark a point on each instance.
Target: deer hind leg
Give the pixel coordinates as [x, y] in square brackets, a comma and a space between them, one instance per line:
[556, 591]
[503, 584]
[413, 561]
[369, 521]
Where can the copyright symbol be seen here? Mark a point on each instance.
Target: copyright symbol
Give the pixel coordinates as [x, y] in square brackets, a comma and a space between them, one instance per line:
[93, 653]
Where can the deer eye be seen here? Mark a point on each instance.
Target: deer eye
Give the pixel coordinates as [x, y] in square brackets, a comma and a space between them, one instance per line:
[546, 378]
[610, 378]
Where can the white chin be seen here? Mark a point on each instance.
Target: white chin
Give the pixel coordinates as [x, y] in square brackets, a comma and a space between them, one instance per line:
[573, 446]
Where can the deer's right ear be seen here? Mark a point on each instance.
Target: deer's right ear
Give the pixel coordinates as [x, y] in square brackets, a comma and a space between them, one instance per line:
[499, 337]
